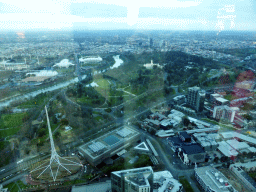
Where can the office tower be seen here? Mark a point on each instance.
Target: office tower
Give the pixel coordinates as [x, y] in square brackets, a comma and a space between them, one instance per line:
[196, 98]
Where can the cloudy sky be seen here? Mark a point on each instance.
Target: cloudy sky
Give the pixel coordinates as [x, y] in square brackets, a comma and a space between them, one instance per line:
[132, 14]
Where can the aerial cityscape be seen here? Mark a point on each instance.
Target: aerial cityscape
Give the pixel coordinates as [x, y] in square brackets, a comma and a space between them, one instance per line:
[124, 108]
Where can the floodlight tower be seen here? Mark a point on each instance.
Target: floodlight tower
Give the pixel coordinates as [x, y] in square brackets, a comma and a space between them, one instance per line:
[55, 158]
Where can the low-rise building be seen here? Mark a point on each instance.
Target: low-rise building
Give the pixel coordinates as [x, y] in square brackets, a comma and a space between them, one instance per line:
[207, 142]
[108, 145]
[178, 100]
[212, 180]
[144, 180]
[249, 166]
[239, 136]
[164, 182]
[136, 180]
[191, 154]
[243, 176]
[226, 149]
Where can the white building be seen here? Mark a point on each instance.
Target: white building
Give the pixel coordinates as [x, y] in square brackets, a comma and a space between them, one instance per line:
[233, 134]
[90, 59]
[144, 180]
[151, 65]
[212, 180]
[164, 182]
[225, 112]
[244, 177]
[132, 180]
[226, 149]
[63, 63]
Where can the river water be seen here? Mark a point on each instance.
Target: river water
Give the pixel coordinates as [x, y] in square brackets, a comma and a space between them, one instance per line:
[7, 102]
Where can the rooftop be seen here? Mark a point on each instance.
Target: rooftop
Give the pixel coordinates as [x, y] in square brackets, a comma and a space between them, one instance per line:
[237, 145]
[108, 141]
[226, 149]
[233, 134]
[214, 179]
[192, 149]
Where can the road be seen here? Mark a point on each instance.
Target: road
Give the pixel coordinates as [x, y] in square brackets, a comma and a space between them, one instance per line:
[169, 166]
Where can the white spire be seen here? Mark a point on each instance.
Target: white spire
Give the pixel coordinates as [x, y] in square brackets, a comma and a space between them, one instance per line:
[55, 158]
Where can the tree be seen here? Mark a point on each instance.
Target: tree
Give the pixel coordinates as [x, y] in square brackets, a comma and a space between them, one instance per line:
[185, 121]
[64, 121]
[216, 159]
[41, 132]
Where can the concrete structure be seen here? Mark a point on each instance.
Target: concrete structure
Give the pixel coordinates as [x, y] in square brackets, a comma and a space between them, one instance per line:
[185, 109]
[238, 146]
[165, 133]
[207, 142]
[3, 189]
[151, 65]
[220, 101]
[214, 129]
[244, 177]
[109, 144]
[132, 180]
[164, 182]
[249, 166]
[143, 148]
[178, 100]
[225, 112]
[199, 124]
[196, 98]
[226, 149]
[99, 186]
[63, 63]
[90, 59]
[233, 134]
[144, 180]
[212, 180]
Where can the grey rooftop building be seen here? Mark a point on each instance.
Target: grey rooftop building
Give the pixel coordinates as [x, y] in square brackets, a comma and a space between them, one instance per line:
[109, 144]
[212, 180]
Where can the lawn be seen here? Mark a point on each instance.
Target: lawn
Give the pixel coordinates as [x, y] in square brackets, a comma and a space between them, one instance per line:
[13, 187]
[185, 184]
[12, 120]
[34, 102]
[102, 83]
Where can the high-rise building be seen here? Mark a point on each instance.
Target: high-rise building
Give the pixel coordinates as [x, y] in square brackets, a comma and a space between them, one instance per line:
[196, 98]
[225, 112]
[151, 42]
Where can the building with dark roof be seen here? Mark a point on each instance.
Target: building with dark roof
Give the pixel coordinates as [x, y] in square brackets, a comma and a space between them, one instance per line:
[191, 154]
[184, 136]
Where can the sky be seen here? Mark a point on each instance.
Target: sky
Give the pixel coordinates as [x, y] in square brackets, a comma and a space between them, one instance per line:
[216, 15]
